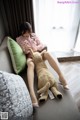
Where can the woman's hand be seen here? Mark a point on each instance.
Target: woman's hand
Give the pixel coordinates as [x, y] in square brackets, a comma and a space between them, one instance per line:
[44, 49]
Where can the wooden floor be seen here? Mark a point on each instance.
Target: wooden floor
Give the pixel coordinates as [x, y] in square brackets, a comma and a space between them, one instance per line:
[71, 71]
[70, 67]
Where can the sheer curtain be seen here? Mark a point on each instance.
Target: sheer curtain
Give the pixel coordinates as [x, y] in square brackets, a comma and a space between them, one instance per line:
[77, 44]
[57, 23]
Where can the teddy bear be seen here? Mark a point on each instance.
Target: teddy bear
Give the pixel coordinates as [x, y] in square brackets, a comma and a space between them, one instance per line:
[46, 81]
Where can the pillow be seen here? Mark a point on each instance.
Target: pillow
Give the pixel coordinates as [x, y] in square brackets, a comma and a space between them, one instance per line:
[14, 96]
[17, 56]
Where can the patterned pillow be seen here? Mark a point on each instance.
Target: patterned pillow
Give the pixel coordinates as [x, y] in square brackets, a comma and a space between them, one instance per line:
[14, 96]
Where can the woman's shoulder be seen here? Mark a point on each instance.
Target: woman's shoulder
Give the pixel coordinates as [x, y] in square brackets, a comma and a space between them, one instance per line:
[33, 34]
[18, 38]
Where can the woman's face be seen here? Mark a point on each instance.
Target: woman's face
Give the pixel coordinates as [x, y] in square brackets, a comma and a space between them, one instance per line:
[26, 34]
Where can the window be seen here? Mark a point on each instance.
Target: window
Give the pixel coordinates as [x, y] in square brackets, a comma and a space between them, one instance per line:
[57, 23]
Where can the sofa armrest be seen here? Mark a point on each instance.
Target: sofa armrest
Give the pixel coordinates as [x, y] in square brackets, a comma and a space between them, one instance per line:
[5, 60]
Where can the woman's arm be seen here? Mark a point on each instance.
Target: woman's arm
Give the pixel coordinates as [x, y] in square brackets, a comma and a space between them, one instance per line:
[24, 45]
[44, 48]
[40, 45]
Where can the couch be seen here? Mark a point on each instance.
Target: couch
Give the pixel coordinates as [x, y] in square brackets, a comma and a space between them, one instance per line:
[64, 109]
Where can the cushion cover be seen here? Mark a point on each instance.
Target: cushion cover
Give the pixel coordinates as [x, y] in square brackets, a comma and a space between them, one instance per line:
[17, 56]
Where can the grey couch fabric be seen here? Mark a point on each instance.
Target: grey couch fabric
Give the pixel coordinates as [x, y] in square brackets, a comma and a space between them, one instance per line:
[64, 109]
[14, 96]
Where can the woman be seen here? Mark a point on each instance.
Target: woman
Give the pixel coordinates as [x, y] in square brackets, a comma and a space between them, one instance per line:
[30, 40]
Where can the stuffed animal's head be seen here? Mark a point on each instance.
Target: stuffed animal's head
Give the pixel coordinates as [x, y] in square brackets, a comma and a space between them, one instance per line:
[36, 56]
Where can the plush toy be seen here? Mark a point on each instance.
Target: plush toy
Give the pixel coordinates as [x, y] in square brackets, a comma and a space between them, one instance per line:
[46, 81]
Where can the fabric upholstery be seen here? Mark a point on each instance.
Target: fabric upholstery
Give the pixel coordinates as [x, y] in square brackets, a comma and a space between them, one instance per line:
[14, 96]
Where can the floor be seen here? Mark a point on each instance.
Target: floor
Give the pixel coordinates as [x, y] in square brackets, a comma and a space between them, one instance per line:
[71, 71]
[70, 66]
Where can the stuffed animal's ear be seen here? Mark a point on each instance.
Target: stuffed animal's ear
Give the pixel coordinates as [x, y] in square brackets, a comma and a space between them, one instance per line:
[31, 51]
[42, 52]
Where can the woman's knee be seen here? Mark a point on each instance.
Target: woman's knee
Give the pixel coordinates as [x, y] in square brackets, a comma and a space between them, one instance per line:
[30, 64]
[46, 55]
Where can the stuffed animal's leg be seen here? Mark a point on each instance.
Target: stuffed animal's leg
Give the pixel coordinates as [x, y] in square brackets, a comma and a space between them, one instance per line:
[56, 92]
[43, 96]
[44, 88]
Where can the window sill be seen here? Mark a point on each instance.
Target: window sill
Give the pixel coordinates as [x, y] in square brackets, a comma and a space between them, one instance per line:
[68, 56]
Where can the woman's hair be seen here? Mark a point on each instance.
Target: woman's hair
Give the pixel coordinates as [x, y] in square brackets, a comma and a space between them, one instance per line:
[25, 27]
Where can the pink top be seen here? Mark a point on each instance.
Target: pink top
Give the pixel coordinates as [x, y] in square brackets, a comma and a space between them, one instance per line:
[31, 42]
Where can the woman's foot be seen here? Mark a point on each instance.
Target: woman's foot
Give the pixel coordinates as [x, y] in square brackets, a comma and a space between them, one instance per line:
[35, 104]
[64, 83]
[66, 87]
[34, 100]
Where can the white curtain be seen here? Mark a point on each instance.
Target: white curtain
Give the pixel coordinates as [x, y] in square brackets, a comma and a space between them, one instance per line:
[77, 44]
[57, 23]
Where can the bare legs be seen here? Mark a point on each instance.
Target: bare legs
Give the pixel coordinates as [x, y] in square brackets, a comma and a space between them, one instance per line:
[30, 76]
[55, 65]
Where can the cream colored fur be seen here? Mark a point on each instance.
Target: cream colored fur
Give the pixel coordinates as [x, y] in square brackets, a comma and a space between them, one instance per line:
[46, 80]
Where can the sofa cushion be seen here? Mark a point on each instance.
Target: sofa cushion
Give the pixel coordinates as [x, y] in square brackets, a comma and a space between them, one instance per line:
[17, 56]
[14, 96]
